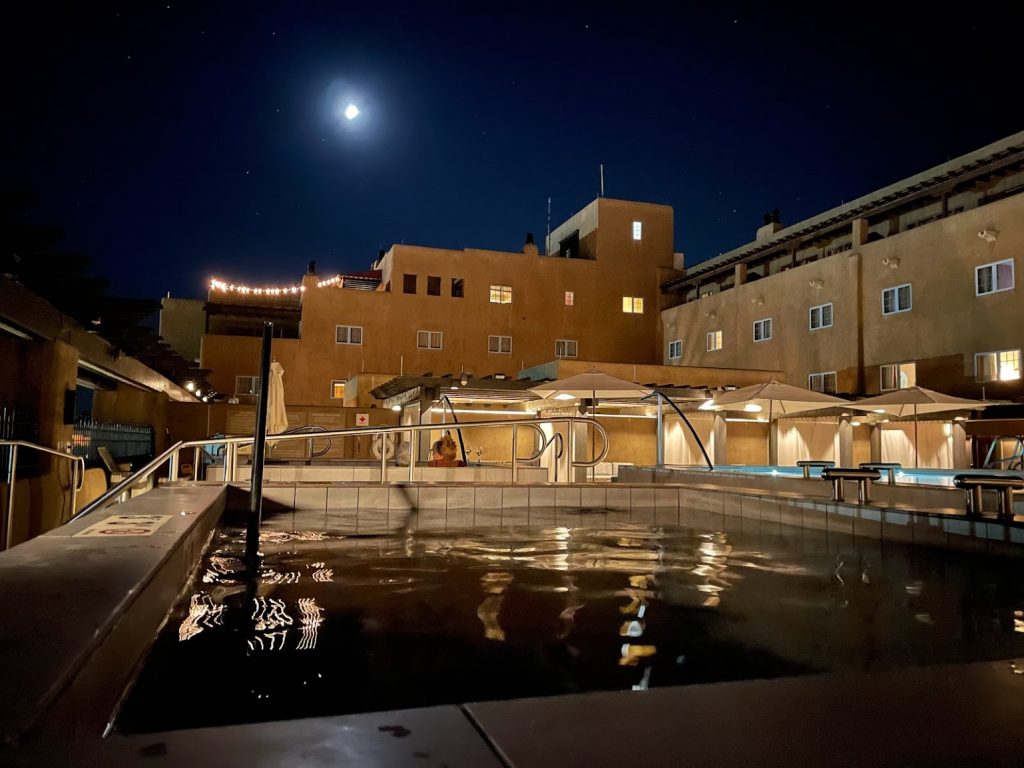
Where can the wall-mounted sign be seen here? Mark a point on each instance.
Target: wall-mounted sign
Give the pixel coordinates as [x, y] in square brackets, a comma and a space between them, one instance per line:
[362, 419]
[125, 525]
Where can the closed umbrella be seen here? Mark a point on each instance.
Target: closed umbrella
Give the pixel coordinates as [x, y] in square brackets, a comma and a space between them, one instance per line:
[277, 418]
[777, 399]
[913, 401]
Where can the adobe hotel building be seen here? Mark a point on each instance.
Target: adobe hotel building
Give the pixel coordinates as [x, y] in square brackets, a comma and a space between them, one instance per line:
[912, 284]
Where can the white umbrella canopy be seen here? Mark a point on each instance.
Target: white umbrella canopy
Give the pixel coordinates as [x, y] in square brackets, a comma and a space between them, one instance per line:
[593, 384]
[775, 399]
[913, 401]
[277, 417]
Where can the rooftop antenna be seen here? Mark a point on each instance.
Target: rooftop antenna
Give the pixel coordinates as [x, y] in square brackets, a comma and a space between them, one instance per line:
[602, 179]
[547, 237]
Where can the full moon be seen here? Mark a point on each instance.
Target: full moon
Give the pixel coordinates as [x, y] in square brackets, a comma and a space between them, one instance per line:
[351, 112]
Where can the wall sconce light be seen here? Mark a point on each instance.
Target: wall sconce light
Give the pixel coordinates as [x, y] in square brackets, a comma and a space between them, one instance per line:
[757, 300]
[989, 235]
[817, 283]
[710, 314]
[891, 261]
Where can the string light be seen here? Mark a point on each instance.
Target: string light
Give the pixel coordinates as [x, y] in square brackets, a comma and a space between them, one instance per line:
[247, 290]
[329, 282]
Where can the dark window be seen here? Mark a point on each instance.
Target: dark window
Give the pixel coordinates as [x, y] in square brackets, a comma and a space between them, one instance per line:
[569, 248]
[409, 284]
[458, 288]
[433, 286]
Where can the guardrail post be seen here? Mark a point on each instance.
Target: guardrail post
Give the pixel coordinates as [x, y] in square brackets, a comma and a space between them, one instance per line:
[172, 467]
[570, 476]
[412, 455]
[661, 434]
[74, 486]
[515, 454]
[383, 458]
[12, 477]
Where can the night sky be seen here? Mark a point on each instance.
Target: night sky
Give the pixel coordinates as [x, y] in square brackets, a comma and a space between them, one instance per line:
[178, 141]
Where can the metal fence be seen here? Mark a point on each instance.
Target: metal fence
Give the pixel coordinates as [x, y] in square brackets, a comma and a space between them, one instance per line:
[123, 440]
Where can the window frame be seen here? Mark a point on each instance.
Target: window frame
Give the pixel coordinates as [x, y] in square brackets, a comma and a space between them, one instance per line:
[407, 280]
[761, 323]
[334, 383]
[350, 328]
[993, 266]
[896, 292]
[255, 385]
[499, 350]
[823, 376]
[638, 230]
[566, 355]
[677, 346]
[430, 338]
[636, 305]
[717, 336]
[820, 308]
[503, 292]
[997, 353]
[569, 298]
[433, 285]
[458, 288]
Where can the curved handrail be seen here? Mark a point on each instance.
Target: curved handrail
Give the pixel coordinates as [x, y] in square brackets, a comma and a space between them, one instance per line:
[604, 446]
[134, 478]
[77, 480]
[666, 399]
[53, 452]
[445, 400]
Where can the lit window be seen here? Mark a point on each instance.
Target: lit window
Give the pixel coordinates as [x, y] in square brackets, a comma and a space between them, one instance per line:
[565, 348]
[993, 278]
[348, 334]
[997, 366]
[898, 376]
[501, 294]
[714, 340]
[337, 389]
[433, 285]
[458, 288]
[763, 329]
[638, 230]
[675, 349]
[633, 305]
[428, 339]
[896, 299]
[247, 385]
[822, 382]
[570, 298]
[501, 345]
[820, 317]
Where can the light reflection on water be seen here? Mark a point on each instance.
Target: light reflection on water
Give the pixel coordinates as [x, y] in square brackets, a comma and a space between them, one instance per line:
[338, 624]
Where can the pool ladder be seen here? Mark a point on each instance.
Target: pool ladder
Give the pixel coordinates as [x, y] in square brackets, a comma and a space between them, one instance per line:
[1013, 461]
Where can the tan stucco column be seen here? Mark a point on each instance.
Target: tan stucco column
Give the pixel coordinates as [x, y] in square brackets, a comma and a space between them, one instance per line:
[773, 443]
[961, 448]
[718, 440]
[876, 443]
[845, 457]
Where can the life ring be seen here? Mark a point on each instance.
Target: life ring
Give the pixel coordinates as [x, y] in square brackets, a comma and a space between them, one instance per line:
[389, 439]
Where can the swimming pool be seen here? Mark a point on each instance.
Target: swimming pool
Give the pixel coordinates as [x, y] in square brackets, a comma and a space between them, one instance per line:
[338, 624]
[939, 477]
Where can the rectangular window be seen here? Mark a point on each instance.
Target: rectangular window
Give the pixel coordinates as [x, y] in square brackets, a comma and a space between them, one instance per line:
[638, 230]
[675, 349]
[501, 345]
[633, 305]
[458, 288]
[433, 286]
[428, 339]
[997, 366]
[565, 348]
[822, 382]
[348, 334]
[896, 299]
[570, 298]
[993, 278]
[247, 385]
[898, 376]
[409, 283]
[763, 329]
[338, 389]
[820, 317]
[501, 294]
[714, 340]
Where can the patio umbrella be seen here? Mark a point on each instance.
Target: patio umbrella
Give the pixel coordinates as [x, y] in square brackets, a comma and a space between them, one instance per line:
[914, 401]
[593, 384]
[277, 418]
[777, 399]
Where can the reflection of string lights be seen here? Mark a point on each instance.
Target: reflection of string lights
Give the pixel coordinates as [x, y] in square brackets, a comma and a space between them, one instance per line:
[203, 613]
[310, 619]
[246, 290]
[269, 614]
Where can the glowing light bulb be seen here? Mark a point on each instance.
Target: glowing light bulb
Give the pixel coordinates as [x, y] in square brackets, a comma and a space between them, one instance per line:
[351, 112]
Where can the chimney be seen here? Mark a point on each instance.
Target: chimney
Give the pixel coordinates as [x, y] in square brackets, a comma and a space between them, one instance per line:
[311, 268]
[772, 224]
[530, 248]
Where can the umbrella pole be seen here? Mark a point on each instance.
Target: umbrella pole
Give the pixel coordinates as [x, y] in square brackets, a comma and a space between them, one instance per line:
[917, 445]
[770, 435]
[252, 523]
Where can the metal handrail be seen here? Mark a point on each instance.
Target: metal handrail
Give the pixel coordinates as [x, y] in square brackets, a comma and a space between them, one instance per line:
[232, 444]
[170, 454]
[77, 479]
